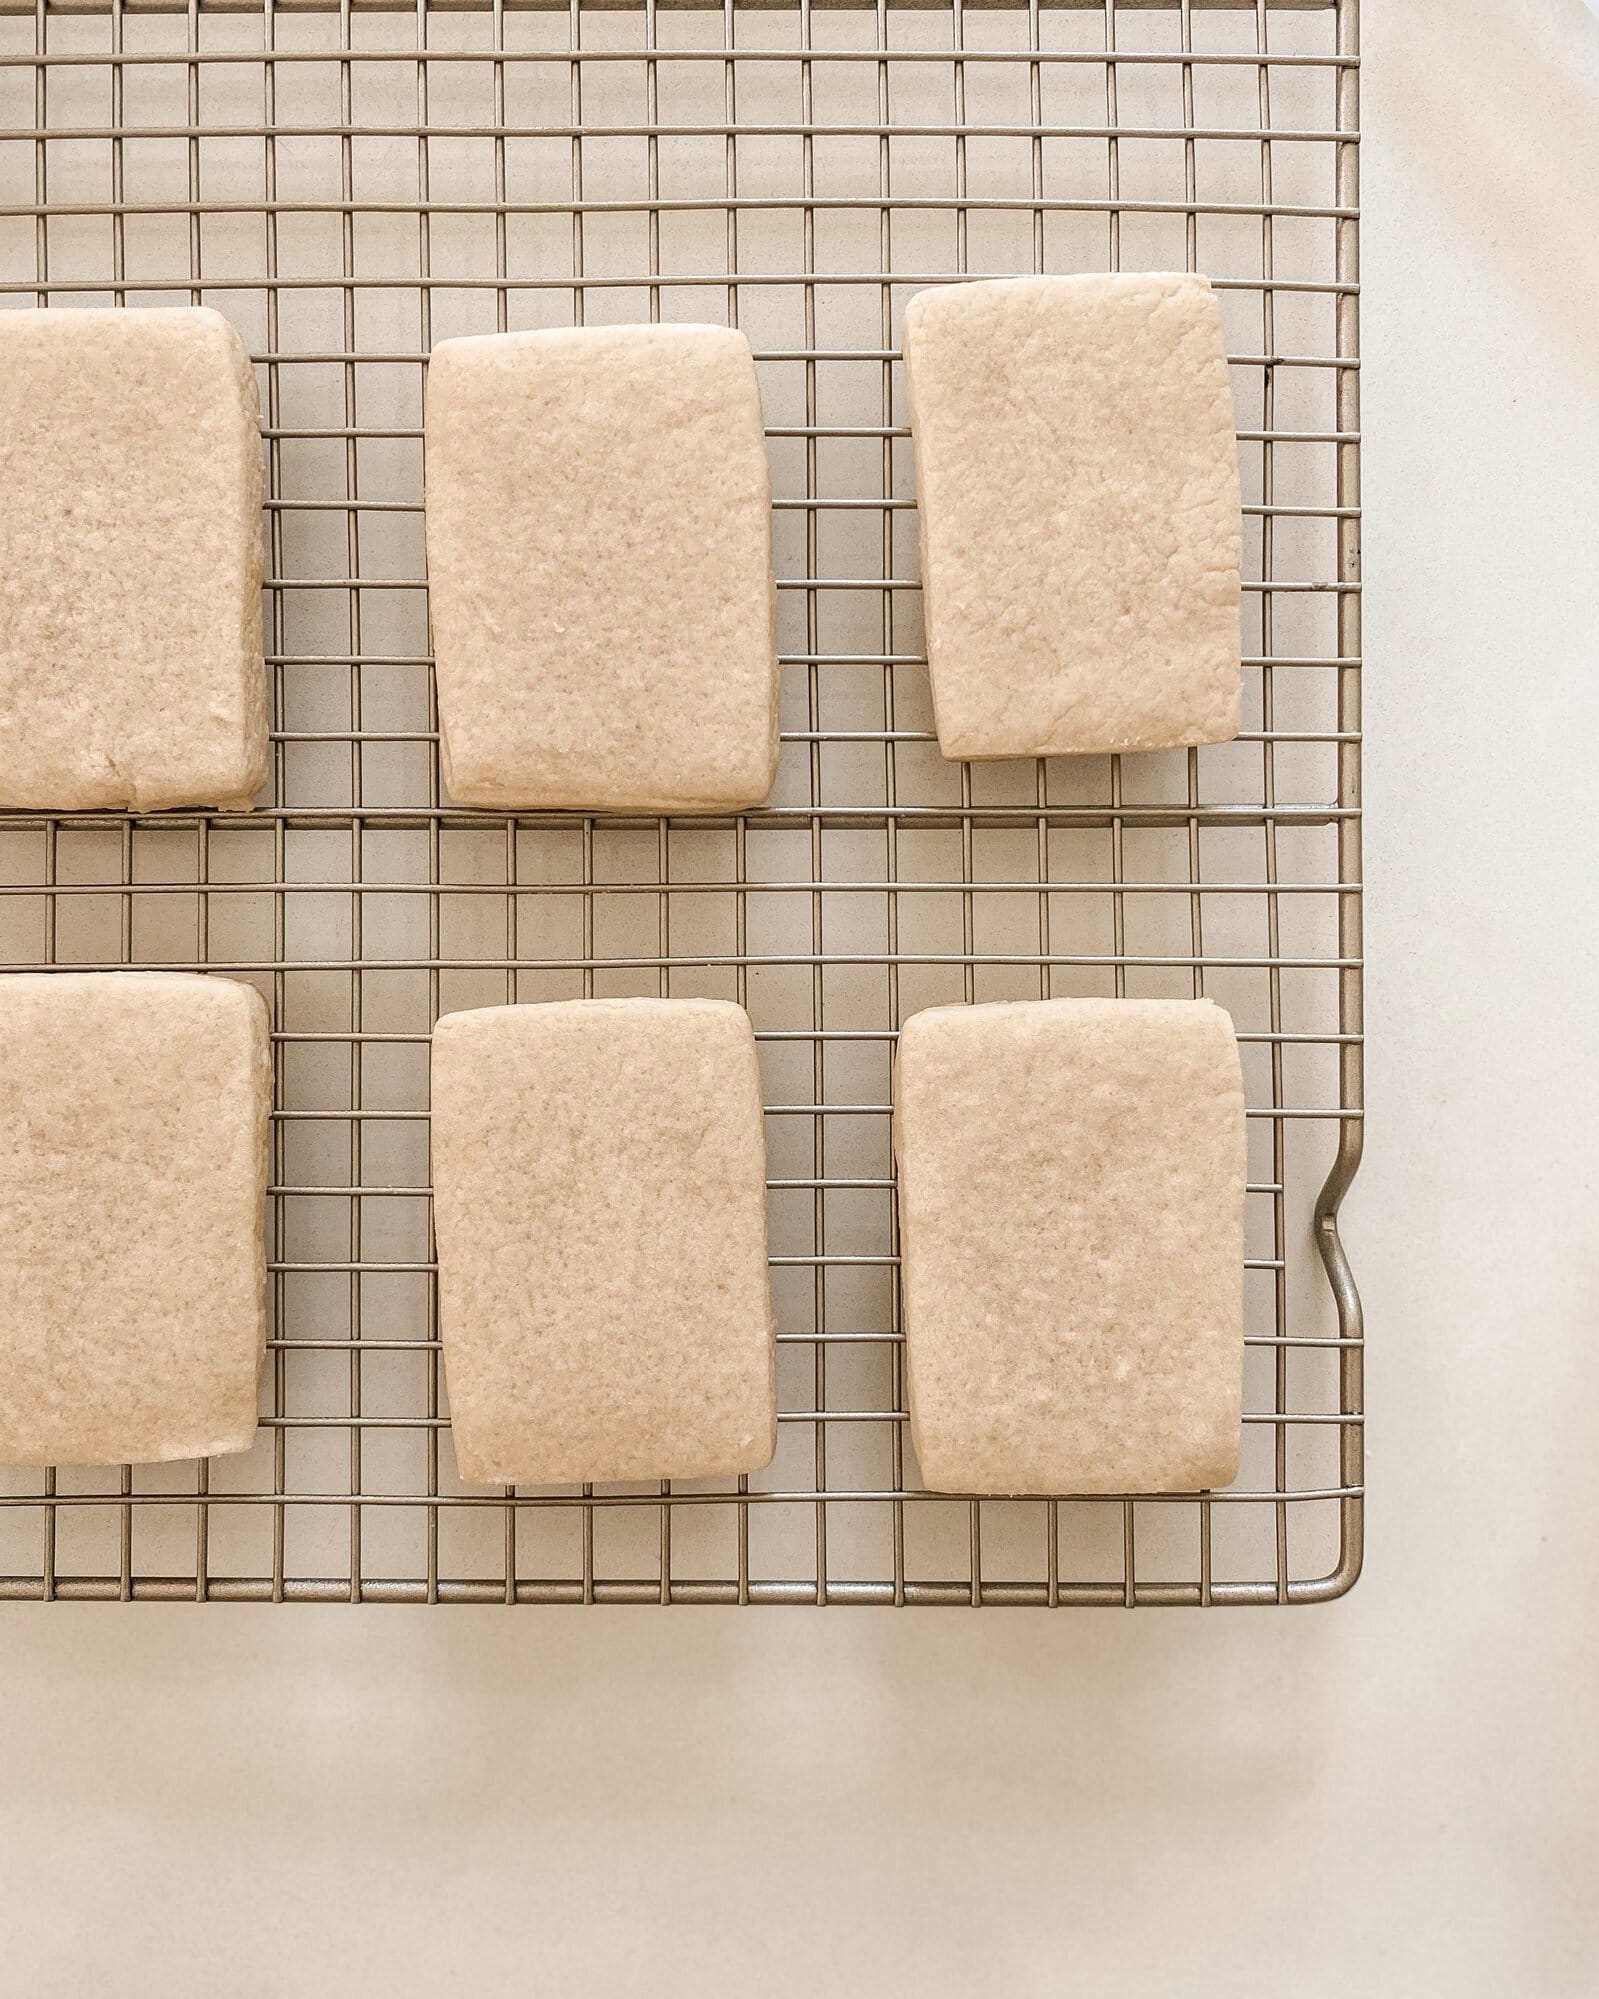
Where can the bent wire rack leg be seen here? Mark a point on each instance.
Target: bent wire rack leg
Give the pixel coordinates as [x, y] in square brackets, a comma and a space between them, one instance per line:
[350, 186]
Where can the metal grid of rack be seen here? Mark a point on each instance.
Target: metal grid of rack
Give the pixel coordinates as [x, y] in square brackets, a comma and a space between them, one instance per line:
[351, 186]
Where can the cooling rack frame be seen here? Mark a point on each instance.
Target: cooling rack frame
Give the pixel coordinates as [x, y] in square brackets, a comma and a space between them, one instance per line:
[352, 184]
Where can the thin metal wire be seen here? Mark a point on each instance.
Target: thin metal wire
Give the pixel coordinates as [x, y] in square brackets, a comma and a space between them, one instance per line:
[659, 6]
[353, 186]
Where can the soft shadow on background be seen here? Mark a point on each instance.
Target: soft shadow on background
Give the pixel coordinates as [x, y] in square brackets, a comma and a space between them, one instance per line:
[1390, 1795]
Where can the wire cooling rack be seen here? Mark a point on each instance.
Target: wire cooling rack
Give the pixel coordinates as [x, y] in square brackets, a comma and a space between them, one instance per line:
[351, 186]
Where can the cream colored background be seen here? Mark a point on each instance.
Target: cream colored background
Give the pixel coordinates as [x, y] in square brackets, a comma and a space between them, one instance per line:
[1397, 1794]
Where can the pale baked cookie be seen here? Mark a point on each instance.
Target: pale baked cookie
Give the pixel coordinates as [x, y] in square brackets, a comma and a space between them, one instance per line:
[131, 674]
[600, 1205]
[1077, 481]
[600, 570]
[1071, 1200]
[135, 1113]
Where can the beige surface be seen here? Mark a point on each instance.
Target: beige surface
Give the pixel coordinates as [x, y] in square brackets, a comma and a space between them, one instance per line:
[130, 561]
[599, 1198]
[134, 1117]
[1071, 1199]
[599, 563]
[1390, 1796]
[1077, 480]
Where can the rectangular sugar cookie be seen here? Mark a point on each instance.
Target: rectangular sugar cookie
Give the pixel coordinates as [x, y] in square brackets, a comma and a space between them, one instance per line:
[600, 570]
[1077, 478]
[131, 674]
[600, 1204]
[1071, 1199]
[135, 1113]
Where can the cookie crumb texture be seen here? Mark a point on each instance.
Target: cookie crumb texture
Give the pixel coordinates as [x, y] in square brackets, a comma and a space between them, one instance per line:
[600, 1203]
[1071, 1189]
[131, 672]
[135, 1120]
[1081, 533]
[600, 570]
